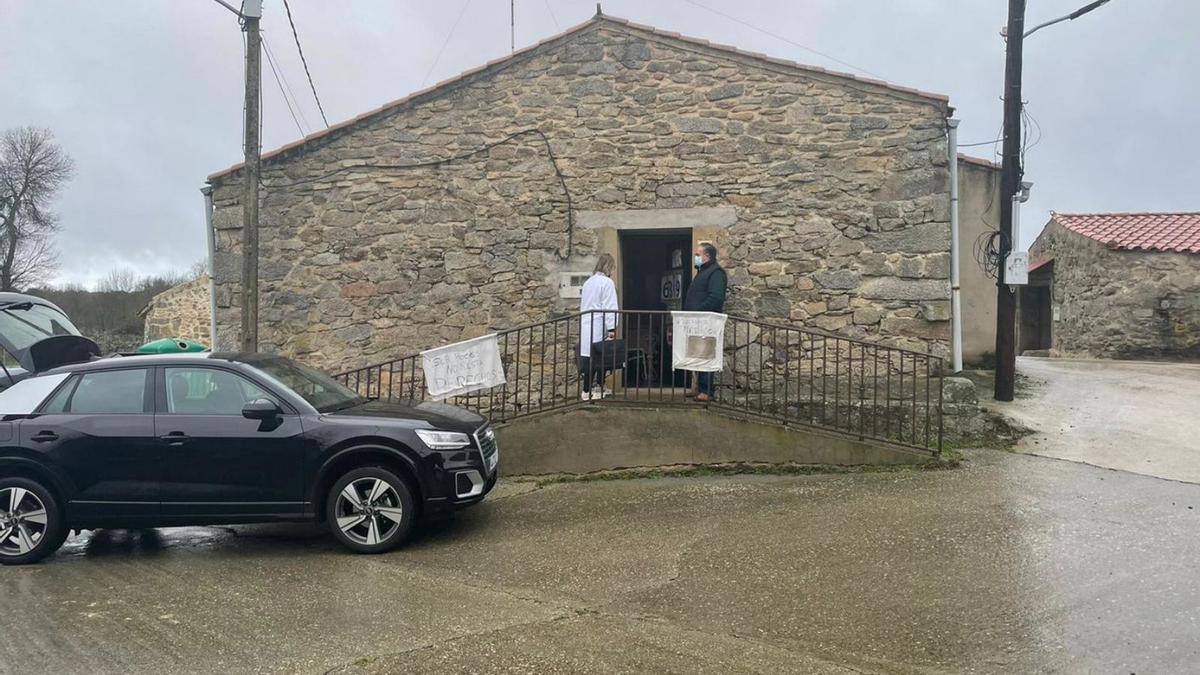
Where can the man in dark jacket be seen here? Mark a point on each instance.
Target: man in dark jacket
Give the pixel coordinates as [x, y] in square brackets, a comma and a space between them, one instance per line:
[705, 294]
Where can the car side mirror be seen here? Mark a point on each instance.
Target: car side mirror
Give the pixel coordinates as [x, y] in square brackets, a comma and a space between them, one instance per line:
[261, 409]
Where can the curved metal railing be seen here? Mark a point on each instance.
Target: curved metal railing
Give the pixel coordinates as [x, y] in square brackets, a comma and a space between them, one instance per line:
[802, 376]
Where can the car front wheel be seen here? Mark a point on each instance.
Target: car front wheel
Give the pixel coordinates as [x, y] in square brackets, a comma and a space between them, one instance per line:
[31, 522]
[370, 510]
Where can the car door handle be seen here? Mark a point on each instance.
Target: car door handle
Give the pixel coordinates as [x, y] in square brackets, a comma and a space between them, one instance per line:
[44, 437]
[175, 438]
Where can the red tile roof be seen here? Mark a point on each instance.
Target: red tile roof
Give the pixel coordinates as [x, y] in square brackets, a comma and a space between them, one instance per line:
[1179, 232]
[599, 18]
[1039, 264]
[978, 161]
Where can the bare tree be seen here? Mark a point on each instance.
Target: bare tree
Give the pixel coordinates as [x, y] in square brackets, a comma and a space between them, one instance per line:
[121, 279]
[33, 168]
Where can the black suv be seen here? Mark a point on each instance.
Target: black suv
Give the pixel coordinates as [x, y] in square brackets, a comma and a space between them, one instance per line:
[205, 439]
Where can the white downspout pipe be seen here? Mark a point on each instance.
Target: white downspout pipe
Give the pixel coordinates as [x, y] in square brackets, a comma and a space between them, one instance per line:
[207, 191]
[955, 299]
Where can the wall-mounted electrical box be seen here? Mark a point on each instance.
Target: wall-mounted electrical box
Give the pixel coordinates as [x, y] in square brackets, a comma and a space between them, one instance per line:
[570, 284]
[1016, 268]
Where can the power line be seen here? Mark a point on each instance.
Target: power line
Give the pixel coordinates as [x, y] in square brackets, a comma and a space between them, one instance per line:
[446, 42]
[971, 145]
[287, 84]
[552, 17]
[777, 36]
[304, 61]
[282, 92]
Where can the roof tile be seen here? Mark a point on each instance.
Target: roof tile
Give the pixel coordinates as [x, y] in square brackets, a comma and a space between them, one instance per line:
[1177, 232]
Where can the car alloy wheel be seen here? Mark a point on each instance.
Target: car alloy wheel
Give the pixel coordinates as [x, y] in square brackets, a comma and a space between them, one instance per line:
[24, 521]
[369, 511]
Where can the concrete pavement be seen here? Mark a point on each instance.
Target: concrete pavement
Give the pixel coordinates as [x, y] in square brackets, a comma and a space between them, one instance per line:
[1134, 416]
[1012, 563]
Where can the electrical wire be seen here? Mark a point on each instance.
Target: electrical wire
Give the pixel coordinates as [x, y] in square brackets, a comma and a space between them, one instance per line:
[304, 61]
[971, 145]
[986, 251]
[288, 85]
[552, 17]
[562, 180]
[777, 36]
[279, 83]
[449, 35]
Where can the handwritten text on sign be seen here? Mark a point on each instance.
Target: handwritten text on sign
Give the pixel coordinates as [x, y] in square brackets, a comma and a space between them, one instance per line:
[698, 341]
[463, 367]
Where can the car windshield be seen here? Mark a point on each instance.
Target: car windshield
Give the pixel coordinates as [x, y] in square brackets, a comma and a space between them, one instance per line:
[24, 323]
[322, 391]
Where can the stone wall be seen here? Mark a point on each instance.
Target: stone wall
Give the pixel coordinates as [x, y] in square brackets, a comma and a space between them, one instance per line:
[1120, 304]
[839, 190]
[181, 311]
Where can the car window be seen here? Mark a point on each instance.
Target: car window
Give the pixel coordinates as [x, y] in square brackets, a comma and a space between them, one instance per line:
[58, 403]
[24, 323]
[9, 361]
[208, 391]
[109, 391]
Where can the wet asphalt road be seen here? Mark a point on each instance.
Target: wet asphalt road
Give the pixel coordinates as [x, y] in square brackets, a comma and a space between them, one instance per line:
[1138, 416]
[1013, 563]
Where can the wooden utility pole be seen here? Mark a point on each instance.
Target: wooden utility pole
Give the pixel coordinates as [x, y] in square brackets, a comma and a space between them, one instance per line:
[251, 13]
[1010, 180]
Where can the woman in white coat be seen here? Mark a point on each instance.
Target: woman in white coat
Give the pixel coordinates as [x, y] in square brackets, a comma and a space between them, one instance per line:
[600, 298]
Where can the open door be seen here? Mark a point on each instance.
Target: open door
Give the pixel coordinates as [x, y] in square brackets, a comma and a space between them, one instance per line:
[655, 274]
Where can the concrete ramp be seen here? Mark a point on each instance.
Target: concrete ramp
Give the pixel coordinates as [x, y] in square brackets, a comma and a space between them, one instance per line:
[611, 436]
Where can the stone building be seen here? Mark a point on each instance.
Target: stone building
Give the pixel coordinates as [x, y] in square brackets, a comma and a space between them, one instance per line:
[1117, 285]
[466, 207]
[179, 312]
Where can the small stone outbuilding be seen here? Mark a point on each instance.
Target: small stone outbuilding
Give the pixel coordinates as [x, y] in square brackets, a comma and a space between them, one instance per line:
[179, 312]
[469, 206]
[1115, 285]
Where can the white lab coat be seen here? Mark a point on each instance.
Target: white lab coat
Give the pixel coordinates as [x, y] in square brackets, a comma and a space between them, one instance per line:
[599, 292]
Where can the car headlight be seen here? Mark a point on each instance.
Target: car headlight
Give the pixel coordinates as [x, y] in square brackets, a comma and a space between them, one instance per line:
[444, 440]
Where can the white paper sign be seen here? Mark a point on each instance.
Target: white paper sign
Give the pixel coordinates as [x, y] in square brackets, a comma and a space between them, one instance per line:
[463, 367]
[698, 342]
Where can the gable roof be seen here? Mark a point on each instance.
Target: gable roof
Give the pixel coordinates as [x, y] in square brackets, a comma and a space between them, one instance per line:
[599, 19]
[1176, 232]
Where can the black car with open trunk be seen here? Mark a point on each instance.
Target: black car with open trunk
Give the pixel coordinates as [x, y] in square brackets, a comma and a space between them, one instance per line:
[205, 439]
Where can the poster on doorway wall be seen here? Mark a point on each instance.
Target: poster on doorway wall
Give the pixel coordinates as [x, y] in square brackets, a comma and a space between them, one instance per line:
[698, 341]
[463, 367]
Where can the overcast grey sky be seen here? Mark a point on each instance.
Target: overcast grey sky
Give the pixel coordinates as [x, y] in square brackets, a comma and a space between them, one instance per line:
[146, 95]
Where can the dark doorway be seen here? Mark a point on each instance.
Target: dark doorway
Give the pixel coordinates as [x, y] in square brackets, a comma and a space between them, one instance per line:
[1036, 318]
[655, 273]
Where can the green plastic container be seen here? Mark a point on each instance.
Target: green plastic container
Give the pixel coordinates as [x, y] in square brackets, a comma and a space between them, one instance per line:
[171, 346]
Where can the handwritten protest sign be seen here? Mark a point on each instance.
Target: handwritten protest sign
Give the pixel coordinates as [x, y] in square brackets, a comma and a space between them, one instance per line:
[698, 341]
[463, 367]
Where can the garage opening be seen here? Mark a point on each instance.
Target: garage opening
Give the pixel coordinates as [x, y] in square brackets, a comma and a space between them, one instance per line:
[655, 274]
[1035, 309]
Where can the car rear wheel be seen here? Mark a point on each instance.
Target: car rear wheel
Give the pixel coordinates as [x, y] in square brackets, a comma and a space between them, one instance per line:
[31, 522]
[370, 510]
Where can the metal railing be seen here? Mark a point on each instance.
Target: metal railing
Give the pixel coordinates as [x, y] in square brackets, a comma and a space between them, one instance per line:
[783, 373]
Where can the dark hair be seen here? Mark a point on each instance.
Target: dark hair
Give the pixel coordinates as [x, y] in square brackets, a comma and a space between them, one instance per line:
[710, 251]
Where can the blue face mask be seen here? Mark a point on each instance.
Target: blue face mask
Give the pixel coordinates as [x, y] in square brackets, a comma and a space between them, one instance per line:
[698, 261]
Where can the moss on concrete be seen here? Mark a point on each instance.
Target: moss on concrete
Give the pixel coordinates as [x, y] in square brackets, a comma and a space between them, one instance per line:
[948, 461]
